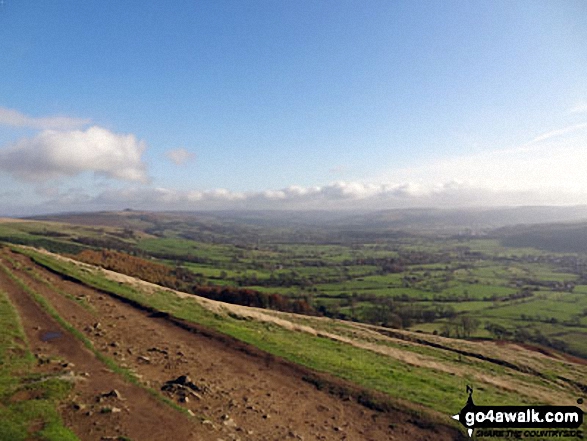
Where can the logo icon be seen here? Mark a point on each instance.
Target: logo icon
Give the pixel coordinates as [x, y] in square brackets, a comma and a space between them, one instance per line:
[515, 417]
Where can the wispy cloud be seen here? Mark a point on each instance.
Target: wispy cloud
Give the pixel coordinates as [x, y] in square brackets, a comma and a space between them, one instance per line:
[180, 156]
[55, 154]
[549, 170]
[14, 118]
[558, 132]
[579, 108]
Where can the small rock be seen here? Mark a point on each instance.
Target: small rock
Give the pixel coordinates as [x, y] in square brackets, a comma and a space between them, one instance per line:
[190, 413]
[144, 359]
[112, 394]
[195, 395]
[229, 423]
[78, 406]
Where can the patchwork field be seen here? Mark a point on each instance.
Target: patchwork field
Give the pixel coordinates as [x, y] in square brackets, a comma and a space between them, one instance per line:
[428, 283]
[395, 326]
[357, 381]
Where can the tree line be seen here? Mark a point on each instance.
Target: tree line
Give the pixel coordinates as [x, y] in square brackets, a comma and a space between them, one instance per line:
[181, 279]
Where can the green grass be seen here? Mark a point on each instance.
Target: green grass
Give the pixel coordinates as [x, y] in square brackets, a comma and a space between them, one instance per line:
[426, 386]
[543, 306]
[52, 287]
[478, 291]
[127, 374]
[328, 271]
[183, 247]
[19, 418]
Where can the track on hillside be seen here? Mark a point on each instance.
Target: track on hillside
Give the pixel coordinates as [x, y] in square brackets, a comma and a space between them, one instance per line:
[234, 391]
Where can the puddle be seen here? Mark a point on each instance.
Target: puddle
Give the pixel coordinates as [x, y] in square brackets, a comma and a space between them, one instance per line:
[50, 335]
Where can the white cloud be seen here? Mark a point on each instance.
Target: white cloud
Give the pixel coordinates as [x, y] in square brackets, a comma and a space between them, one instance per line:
[579, 108]
[179, 156]
[336, 196]
[13, 118]
[551, 167]
[55, 154]
[548, 170]
[340, 195]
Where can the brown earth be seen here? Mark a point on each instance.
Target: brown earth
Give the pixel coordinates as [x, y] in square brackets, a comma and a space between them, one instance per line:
[236, 392]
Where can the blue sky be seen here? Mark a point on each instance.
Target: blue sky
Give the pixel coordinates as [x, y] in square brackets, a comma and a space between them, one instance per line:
[291, 104]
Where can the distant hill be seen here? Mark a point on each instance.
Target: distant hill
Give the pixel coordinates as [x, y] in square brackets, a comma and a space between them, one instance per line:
[559, 237]
[473, 218]
[412, 220]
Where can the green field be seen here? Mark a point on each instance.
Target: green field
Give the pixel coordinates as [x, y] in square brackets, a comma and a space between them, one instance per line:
[418, 378]
[426, 283]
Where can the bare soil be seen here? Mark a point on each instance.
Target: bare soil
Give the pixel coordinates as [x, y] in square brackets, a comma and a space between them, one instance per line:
[234, 391]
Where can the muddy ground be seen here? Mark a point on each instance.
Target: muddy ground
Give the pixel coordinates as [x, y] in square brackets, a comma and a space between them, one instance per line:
[233, 393]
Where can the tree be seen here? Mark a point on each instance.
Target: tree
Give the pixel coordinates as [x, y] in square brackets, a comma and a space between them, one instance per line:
[466, 325]
[462, 327]
[497, 331]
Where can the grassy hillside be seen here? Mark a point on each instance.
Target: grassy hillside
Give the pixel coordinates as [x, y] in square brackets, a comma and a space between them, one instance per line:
[28, 400]
[430, 371]
[464, 286]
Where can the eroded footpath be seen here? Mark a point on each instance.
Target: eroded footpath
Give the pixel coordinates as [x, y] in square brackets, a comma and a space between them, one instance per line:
[233, 394]
[94, 412]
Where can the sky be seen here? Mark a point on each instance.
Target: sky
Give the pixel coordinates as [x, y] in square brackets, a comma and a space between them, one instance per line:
[291, 104]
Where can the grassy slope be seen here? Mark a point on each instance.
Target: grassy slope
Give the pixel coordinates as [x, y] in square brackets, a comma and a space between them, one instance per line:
[410, 372]
[333, 283]
[16, 365]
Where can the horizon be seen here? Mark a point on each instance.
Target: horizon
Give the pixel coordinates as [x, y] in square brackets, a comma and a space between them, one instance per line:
[402, 219]
[292, 106]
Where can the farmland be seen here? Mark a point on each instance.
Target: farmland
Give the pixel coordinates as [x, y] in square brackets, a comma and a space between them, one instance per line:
[427, 282]
[406, 317]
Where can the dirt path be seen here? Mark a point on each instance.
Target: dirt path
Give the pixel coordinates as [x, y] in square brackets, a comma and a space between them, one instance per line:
[234, 394]
[136, 414]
